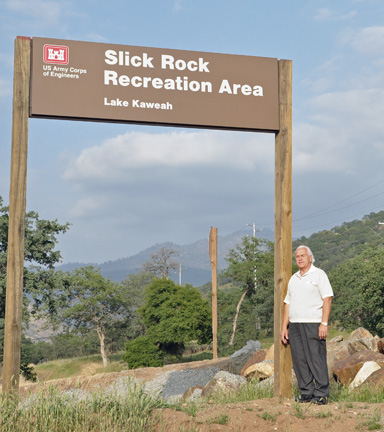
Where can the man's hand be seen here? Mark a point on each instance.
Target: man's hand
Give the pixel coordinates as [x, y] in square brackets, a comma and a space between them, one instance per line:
[284, 336]
[323, 331]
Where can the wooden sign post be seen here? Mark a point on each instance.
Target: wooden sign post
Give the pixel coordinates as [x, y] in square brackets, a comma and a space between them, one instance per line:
[17, 206]
[283, 227]
[213, 258]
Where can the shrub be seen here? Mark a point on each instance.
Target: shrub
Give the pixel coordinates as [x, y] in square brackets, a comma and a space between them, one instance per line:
[141, 352]
[28, 372]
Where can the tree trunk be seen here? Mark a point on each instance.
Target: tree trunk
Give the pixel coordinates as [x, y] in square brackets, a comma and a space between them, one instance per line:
[236, 316]
[101, 335]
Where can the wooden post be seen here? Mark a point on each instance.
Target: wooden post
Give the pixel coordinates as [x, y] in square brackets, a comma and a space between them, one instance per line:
[283, 227]
[213, 258]
[17, 207]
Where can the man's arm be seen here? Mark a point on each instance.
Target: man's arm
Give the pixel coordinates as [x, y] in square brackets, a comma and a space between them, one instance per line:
[284, 334]
[323, 329]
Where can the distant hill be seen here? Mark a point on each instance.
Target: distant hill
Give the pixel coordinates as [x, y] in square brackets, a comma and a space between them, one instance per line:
[194, 259]
[332, 247]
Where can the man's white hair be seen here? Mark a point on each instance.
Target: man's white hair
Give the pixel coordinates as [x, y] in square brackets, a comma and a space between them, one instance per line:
[308, 250]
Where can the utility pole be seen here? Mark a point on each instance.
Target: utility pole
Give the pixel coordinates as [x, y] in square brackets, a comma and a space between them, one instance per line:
[254, 230]
[253, 225]
[213, 259]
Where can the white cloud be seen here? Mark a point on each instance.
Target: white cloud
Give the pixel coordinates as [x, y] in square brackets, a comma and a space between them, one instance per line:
[344, 131]
[178, 5]
[111, 160]
[48, 11]
[367, 41]
[85, 207]
[326, 14]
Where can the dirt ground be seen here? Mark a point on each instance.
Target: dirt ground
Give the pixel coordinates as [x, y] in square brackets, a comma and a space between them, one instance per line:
[260, 415]
[266, 415]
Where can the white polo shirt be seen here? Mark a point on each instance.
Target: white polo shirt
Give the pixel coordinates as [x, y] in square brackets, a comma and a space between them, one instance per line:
[305, 295]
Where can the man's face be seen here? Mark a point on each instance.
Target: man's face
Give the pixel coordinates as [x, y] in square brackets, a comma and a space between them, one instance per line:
[303, 259]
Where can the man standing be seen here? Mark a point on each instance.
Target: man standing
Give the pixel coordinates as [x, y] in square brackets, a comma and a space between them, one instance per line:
[305, 326]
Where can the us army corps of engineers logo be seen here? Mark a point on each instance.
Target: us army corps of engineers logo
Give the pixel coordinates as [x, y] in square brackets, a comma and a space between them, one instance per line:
[56, 59]
[56, 54]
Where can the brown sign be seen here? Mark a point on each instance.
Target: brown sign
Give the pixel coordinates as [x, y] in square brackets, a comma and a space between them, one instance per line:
[130, 84]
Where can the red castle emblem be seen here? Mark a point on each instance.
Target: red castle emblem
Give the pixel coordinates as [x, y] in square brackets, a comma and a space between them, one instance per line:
[56, 54]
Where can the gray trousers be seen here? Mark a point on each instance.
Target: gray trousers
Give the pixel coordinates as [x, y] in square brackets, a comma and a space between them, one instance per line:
[309, 359]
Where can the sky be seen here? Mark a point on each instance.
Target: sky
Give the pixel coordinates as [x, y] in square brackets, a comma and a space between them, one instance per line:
[127, 187]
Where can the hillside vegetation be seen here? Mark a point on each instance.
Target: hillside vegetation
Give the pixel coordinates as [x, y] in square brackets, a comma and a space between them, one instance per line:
[333, 247]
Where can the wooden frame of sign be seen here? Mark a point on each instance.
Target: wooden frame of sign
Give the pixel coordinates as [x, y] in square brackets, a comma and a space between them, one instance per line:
[17, 209]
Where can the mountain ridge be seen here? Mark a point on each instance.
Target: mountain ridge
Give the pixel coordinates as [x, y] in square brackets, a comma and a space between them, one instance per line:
[193, 257]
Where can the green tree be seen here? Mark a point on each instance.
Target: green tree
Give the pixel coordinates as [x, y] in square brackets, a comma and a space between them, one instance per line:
[88, 302]
[131, 325]
[250, 266]
[40, 257]
[174, 315]
[359, 291]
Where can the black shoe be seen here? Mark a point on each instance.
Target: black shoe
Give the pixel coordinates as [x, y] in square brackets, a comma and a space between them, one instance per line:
[320, 400]
[304, 398]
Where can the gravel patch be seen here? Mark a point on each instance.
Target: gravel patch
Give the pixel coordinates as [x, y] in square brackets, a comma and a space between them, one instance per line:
[173, 384]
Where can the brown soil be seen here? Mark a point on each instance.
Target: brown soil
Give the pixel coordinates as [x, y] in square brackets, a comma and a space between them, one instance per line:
[261, 415]
[264, 415]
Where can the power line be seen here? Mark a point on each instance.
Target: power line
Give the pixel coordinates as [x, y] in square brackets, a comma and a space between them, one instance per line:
[345, 199]
[322, 212]
[338, 221]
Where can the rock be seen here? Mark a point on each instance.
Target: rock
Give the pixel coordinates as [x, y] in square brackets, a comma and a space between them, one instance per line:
[336, 351]
[268, 382]
[174, 383]
[238, 359]
[359, 333]
[362, 344]
[271, 353]
[380, 345]
[193, 393]
[223, 381]
[345, 371]
[338, 338]
[360, 340]
[376, 379]
[260, 371]
[257, 357]
[366, 370]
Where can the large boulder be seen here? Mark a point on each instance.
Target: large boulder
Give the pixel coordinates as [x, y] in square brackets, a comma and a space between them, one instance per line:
[376, 379]
[260, 371]
[257, 357]
[362, 345]
[238, 359]
[224, 382]
[271, 353]
[366, 370]
[337, 350]
[345, 371]
[361, 340]
[360, 333]
[193, 393]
